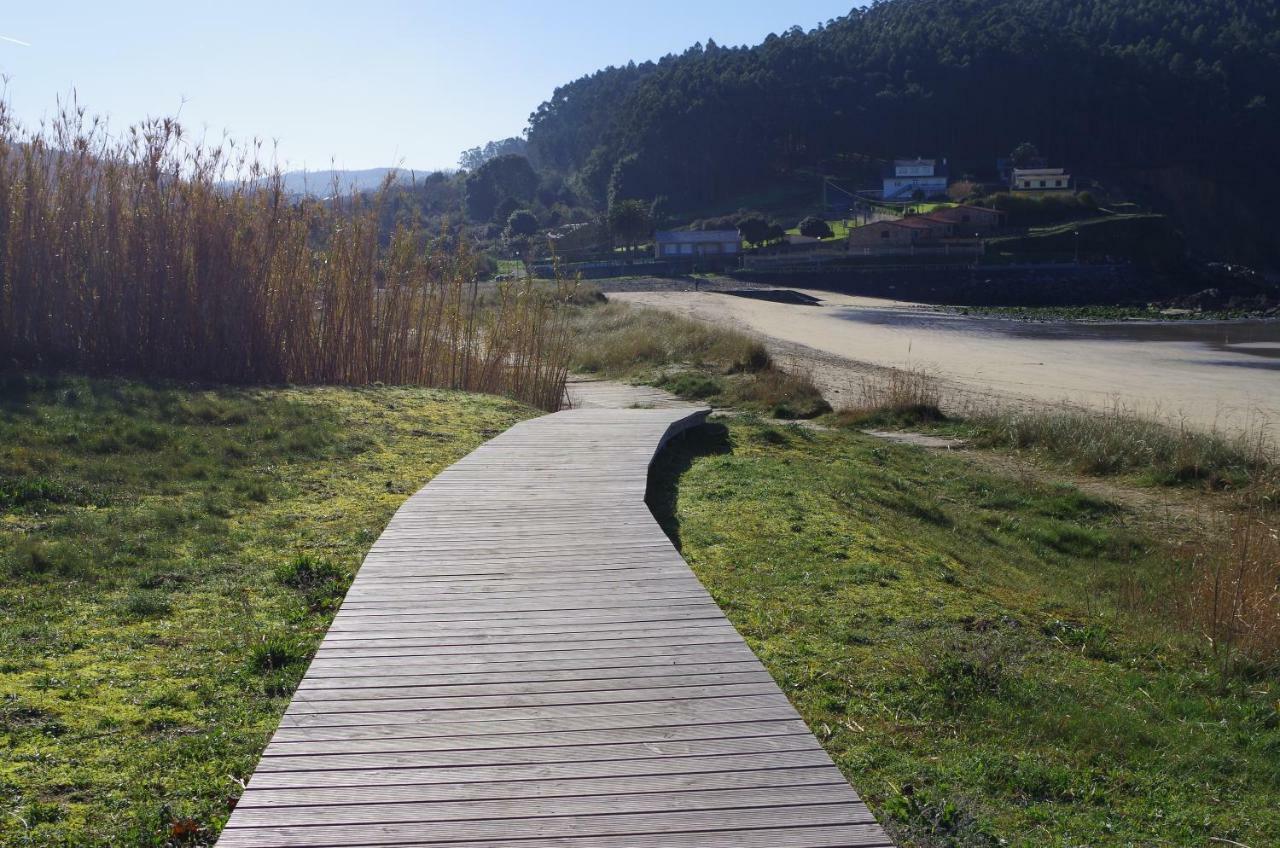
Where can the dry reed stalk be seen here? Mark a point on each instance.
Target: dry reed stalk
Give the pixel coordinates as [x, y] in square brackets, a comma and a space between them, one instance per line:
[155, 256]
[1234, 597]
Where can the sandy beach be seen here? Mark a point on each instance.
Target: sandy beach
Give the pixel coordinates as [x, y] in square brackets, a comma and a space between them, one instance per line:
[1210, 376]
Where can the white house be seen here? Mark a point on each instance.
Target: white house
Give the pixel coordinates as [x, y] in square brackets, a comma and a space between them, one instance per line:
[1041, 179]
[908, 176]
[670, 244]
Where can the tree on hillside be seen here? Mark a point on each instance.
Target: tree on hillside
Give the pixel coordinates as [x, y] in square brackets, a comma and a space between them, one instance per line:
[506, 206]
[630, 222]
[754, 230]
[1025, 155]
[522, 223]
[1101, 84]
[504, 176]
[815, 227]
[475, 157]
[775, 233]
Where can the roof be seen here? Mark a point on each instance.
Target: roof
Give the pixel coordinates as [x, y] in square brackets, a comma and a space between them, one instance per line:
[1039, 172]
[918, 222]
[695, 236]
[939, 166]
[950, 212]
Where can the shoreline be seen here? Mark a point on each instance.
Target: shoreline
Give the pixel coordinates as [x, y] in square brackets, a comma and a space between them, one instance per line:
[1180, 382]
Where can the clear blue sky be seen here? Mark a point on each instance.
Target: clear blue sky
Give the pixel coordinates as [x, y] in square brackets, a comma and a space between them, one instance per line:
[368, 83]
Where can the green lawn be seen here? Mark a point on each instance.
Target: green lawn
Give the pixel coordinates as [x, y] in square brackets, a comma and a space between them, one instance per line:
[169, 557]
[960, 643]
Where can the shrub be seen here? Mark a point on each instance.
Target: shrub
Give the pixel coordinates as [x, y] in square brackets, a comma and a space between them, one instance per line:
[1231, 598]
[814, 227]
[782, 394]
[692, 386]
[897, 398]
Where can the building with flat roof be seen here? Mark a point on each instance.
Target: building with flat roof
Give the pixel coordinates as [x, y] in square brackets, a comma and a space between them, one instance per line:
[906, 177]
[1041, 179]
[673, 244]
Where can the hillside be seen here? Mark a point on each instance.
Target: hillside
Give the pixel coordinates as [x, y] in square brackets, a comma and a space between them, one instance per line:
[1171, 101]
[321, 183]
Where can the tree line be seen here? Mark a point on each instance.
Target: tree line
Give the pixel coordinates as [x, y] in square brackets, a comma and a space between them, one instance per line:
[1174, 100]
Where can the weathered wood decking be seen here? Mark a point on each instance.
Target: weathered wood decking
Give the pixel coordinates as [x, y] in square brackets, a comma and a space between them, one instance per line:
[525, 660]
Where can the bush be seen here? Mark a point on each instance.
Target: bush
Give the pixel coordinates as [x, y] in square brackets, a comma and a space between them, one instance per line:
[781, 394]
[814, 227]
[898, 398]
[692, 386]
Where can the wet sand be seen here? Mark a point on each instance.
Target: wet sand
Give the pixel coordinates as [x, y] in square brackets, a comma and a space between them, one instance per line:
[1209, 375]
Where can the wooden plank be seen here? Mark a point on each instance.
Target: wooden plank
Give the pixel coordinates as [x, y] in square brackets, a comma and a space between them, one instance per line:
[523, 659]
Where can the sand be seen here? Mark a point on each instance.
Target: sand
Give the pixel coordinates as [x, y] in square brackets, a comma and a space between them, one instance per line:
[1177, 381]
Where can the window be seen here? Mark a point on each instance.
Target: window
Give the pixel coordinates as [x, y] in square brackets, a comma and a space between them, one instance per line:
[1058, 184]
[1042, 184]
[884, 234]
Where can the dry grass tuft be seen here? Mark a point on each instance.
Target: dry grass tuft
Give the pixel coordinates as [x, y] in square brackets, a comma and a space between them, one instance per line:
[898, 397]
[779, 393]
[1115, 441]
[1231, 598]
[618, 340]
[149, 253]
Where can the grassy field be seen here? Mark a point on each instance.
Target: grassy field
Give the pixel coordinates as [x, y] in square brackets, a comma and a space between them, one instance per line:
[968, 647]
[691, 359]
[170, 557]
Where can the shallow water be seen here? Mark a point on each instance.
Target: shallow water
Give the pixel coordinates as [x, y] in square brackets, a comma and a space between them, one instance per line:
[1248, 344]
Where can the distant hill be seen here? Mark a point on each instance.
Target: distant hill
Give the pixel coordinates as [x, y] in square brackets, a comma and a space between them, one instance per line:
[1176, 101]
[321, 183]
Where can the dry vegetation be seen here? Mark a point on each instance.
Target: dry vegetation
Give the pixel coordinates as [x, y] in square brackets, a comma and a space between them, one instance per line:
[618, 339]
[1226, 590]
[689, 358]
[146, 253]
[1231, 598]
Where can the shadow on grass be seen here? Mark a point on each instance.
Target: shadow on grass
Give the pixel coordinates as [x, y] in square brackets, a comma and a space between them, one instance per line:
[670, 465]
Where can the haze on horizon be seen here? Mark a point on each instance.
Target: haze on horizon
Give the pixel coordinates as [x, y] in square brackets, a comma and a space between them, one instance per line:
[390, 82]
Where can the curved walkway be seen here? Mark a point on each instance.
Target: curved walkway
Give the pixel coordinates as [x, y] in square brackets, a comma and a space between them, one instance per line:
[525, 660]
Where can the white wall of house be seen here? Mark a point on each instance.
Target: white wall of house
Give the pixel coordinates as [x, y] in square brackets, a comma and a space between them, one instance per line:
[899, 187]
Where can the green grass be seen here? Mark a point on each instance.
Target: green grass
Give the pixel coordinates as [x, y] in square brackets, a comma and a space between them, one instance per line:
[961, 644]
[839, 230]
[169, 559]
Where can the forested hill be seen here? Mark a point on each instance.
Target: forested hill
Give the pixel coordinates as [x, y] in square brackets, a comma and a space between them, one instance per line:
[1175, 98]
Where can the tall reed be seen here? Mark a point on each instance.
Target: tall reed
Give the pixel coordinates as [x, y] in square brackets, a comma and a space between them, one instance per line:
[1231, 597]
[151, 254]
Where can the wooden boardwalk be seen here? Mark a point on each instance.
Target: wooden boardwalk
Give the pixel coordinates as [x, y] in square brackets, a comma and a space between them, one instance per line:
[525, 660]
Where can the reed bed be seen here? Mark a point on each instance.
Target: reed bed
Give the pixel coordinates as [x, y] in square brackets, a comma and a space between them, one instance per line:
[150, 254]
[1231, 597]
